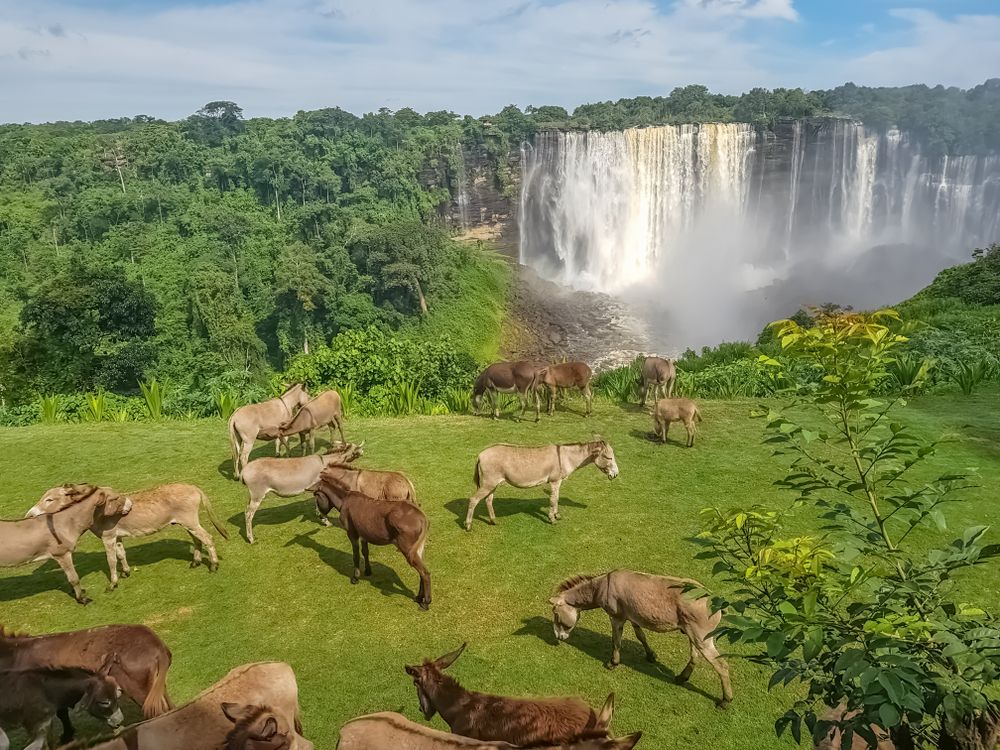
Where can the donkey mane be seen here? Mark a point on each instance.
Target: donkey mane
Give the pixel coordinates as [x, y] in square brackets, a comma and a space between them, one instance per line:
[575, 581]
[292, 387]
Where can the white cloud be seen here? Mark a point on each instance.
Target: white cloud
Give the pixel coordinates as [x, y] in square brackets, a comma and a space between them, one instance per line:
[61, 60]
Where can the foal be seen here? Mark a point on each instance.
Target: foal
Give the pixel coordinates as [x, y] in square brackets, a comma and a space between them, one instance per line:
[519, 721]
[380, 522]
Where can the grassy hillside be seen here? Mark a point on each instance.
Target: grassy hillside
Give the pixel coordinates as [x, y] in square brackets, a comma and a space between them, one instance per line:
[289, 597]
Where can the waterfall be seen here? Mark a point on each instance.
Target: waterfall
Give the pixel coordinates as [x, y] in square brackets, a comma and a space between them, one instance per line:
[817, 207]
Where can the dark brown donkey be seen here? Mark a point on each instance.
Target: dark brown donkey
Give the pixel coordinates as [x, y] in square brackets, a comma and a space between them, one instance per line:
[32, 698]
[140, 670]
[508, 377]
[519, 721]
[567, 375]
[379, 522]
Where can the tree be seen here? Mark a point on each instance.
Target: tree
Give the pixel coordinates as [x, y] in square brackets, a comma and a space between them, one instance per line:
[215, 122]
[861, 617]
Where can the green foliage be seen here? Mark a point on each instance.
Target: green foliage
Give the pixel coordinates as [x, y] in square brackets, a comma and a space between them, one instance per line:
[458, 400]
[152, 393]
[976, 283]
[620, 384]
[50, 409]
[967, 375]
[856, 613]
[226, 402]
[96, 406]
[405, 399]
[909, 372]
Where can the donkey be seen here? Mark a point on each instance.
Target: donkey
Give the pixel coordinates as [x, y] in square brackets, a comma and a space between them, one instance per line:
[261, 421]
[668, 410]
[530, 466]
[519, 721]
[391, 730]
[661, 374]
[288, 477]
[656, 603]
[326, 409]
[140, 669]
[55, 536]
[382, 485]
[152, 510]
[379, 522]
[567, 375]
[508, 377]
[32, 698]
[249, 697]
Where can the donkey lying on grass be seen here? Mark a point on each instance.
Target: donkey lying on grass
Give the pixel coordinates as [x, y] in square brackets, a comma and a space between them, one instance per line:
[656, 603]
[380, 522]
[519, 721]
[530, 466]
[152, 511]
[391, 730]
[140, 669]
[55, 536]
[288, 477]
[32, 698]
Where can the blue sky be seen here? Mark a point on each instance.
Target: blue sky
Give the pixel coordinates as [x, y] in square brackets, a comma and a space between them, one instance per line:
[84, 59]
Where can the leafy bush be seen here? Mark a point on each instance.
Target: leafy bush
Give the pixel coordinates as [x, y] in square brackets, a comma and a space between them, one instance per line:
[226, 403]
[153, 394]
[967, 375]
[909, 372]
[976, 283]
[404, 399]
[723, 354]
[50, 409]
[96, 406]
[620, 384]
[458, 400]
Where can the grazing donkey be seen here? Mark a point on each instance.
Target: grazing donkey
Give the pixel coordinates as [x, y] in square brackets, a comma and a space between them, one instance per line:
[382, 485]
[392, 730]
[661, 374]
[567, 375]
[54, 536]
[140, 669]
[380, 522]
[32, 698]
[326, 409]
[261, 421]
[288, 477]
[152, 511]
[530, 466]
[508, 377]
[249, 697]
[656, 603]
[668, 410]
[519, 721]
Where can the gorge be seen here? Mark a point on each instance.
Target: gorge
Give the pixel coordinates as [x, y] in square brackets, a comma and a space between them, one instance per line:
[709, 231]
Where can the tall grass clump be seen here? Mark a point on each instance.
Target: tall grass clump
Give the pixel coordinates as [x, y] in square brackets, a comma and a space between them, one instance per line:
[968, 375]
[153, 393]
[225, 403]
[96, 406]
[620, 385]
[50, 409]
[458, 400]
[404, 398]
[910, 372]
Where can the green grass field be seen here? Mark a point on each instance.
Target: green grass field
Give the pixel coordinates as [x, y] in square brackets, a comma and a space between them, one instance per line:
[289, 598]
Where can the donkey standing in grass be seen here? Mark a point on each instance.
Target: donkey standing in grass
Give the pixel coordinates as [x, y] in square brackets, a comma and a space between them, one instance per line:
[567, 375]
[380, 522]
[391, 730]
[659, 373]
[261, 421]
[327, 409]
[381, 485]
[519, 721]
[668, 410]
[152, 510]
[656, 603]
[54, 536]
[508, 377]
[530, 466]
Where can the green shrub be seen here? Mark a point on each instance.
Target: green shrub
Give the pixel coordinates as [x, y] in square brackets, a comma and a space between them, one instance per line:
[50, 409]
[226, 403]
[404, 399]
[969, 374]
[458, 400]
[152, 393]
[910, 372]
[621, 384]
[96, 406]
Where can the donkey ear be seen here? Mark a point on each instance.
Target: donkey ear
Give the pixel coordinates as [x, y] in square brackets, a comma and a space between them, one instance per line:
[270, 729]
[607, 711]
[448, 659]
[627, 743]
[235, 712]
[412, 671]
[555, 600]
[109, 661]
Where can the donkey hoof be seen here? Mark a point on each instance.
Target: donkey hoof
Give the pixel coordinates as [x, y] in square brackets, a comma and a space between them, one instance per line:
[368, 572]
[354, 580]
[723, 704]
[425, 606]
[194, 563]
[110, 587]
[610, 665]
[126, 572]
[325, 521]
[213, 567]
[651, 657]
[85, 600]
[492, 522]
[468, 527]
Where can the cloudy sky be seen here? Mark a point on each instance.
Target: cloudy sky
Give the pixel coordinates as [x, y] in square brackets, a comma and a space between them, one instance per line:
[84, 59]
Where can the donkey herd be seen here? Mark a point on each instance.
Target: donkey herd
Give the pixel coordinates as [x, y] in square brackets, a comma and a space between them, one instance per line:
[255, 706]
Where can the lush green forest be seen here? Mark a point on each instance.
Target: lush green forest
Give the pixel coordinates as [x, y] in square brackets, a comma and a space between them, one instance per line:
[208, 253]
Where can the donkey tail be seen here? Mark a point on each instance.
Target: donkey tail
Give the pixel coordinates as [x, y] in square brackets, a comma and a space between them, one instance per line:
[412, 495]
[697, 413]
[234, 445]
[157, 702]
[211, 515]
[422, 539]
[476, 475]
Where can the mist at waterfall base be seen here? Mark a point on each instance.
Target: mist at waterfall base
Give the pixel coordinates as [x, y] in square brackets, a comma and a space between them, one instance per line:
[709, 232]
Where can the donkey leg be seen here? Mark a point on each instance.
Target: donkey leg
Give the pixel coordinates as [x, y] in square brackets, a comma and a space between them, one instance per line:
[707, 648]
[204, 539]
[415, 557]
[689, 426]
[4, 741]
[685, 674]
[111, 552]
[473, 502]
[495, 403]
[617, 626]
[489, 507]
[554, 502]
[249, 513]
[122, 560]
[245, 450]
[670, 387]
[364, 551]
[39, 736]
[65, 561]
[355, 548]
[650, 654]
[67, 726]
[589, 396]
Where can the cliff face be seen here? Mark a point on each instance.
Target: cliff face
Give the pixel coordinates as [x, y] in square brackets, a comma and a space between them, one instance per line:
[480, 207]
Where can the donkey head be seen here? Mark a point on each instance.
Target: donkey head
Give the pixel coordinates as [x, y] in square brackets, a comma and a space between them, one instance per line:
[110, 503]
[58, 498]
[428, 676]
[100, 698]
[257, 728]
[343, 453]
[604, 456]
[564, 617]
[297, 394]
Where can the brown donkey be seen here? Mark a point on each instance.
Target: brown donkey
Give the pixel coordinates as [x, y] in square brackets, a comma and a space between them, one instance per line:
[519, 721]
[656, 603]
[326, 409]
[382, 485]
[668, 410]
[380, 522]
[659, 373]
[508, 377]
[567, 375]
[140, 669]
